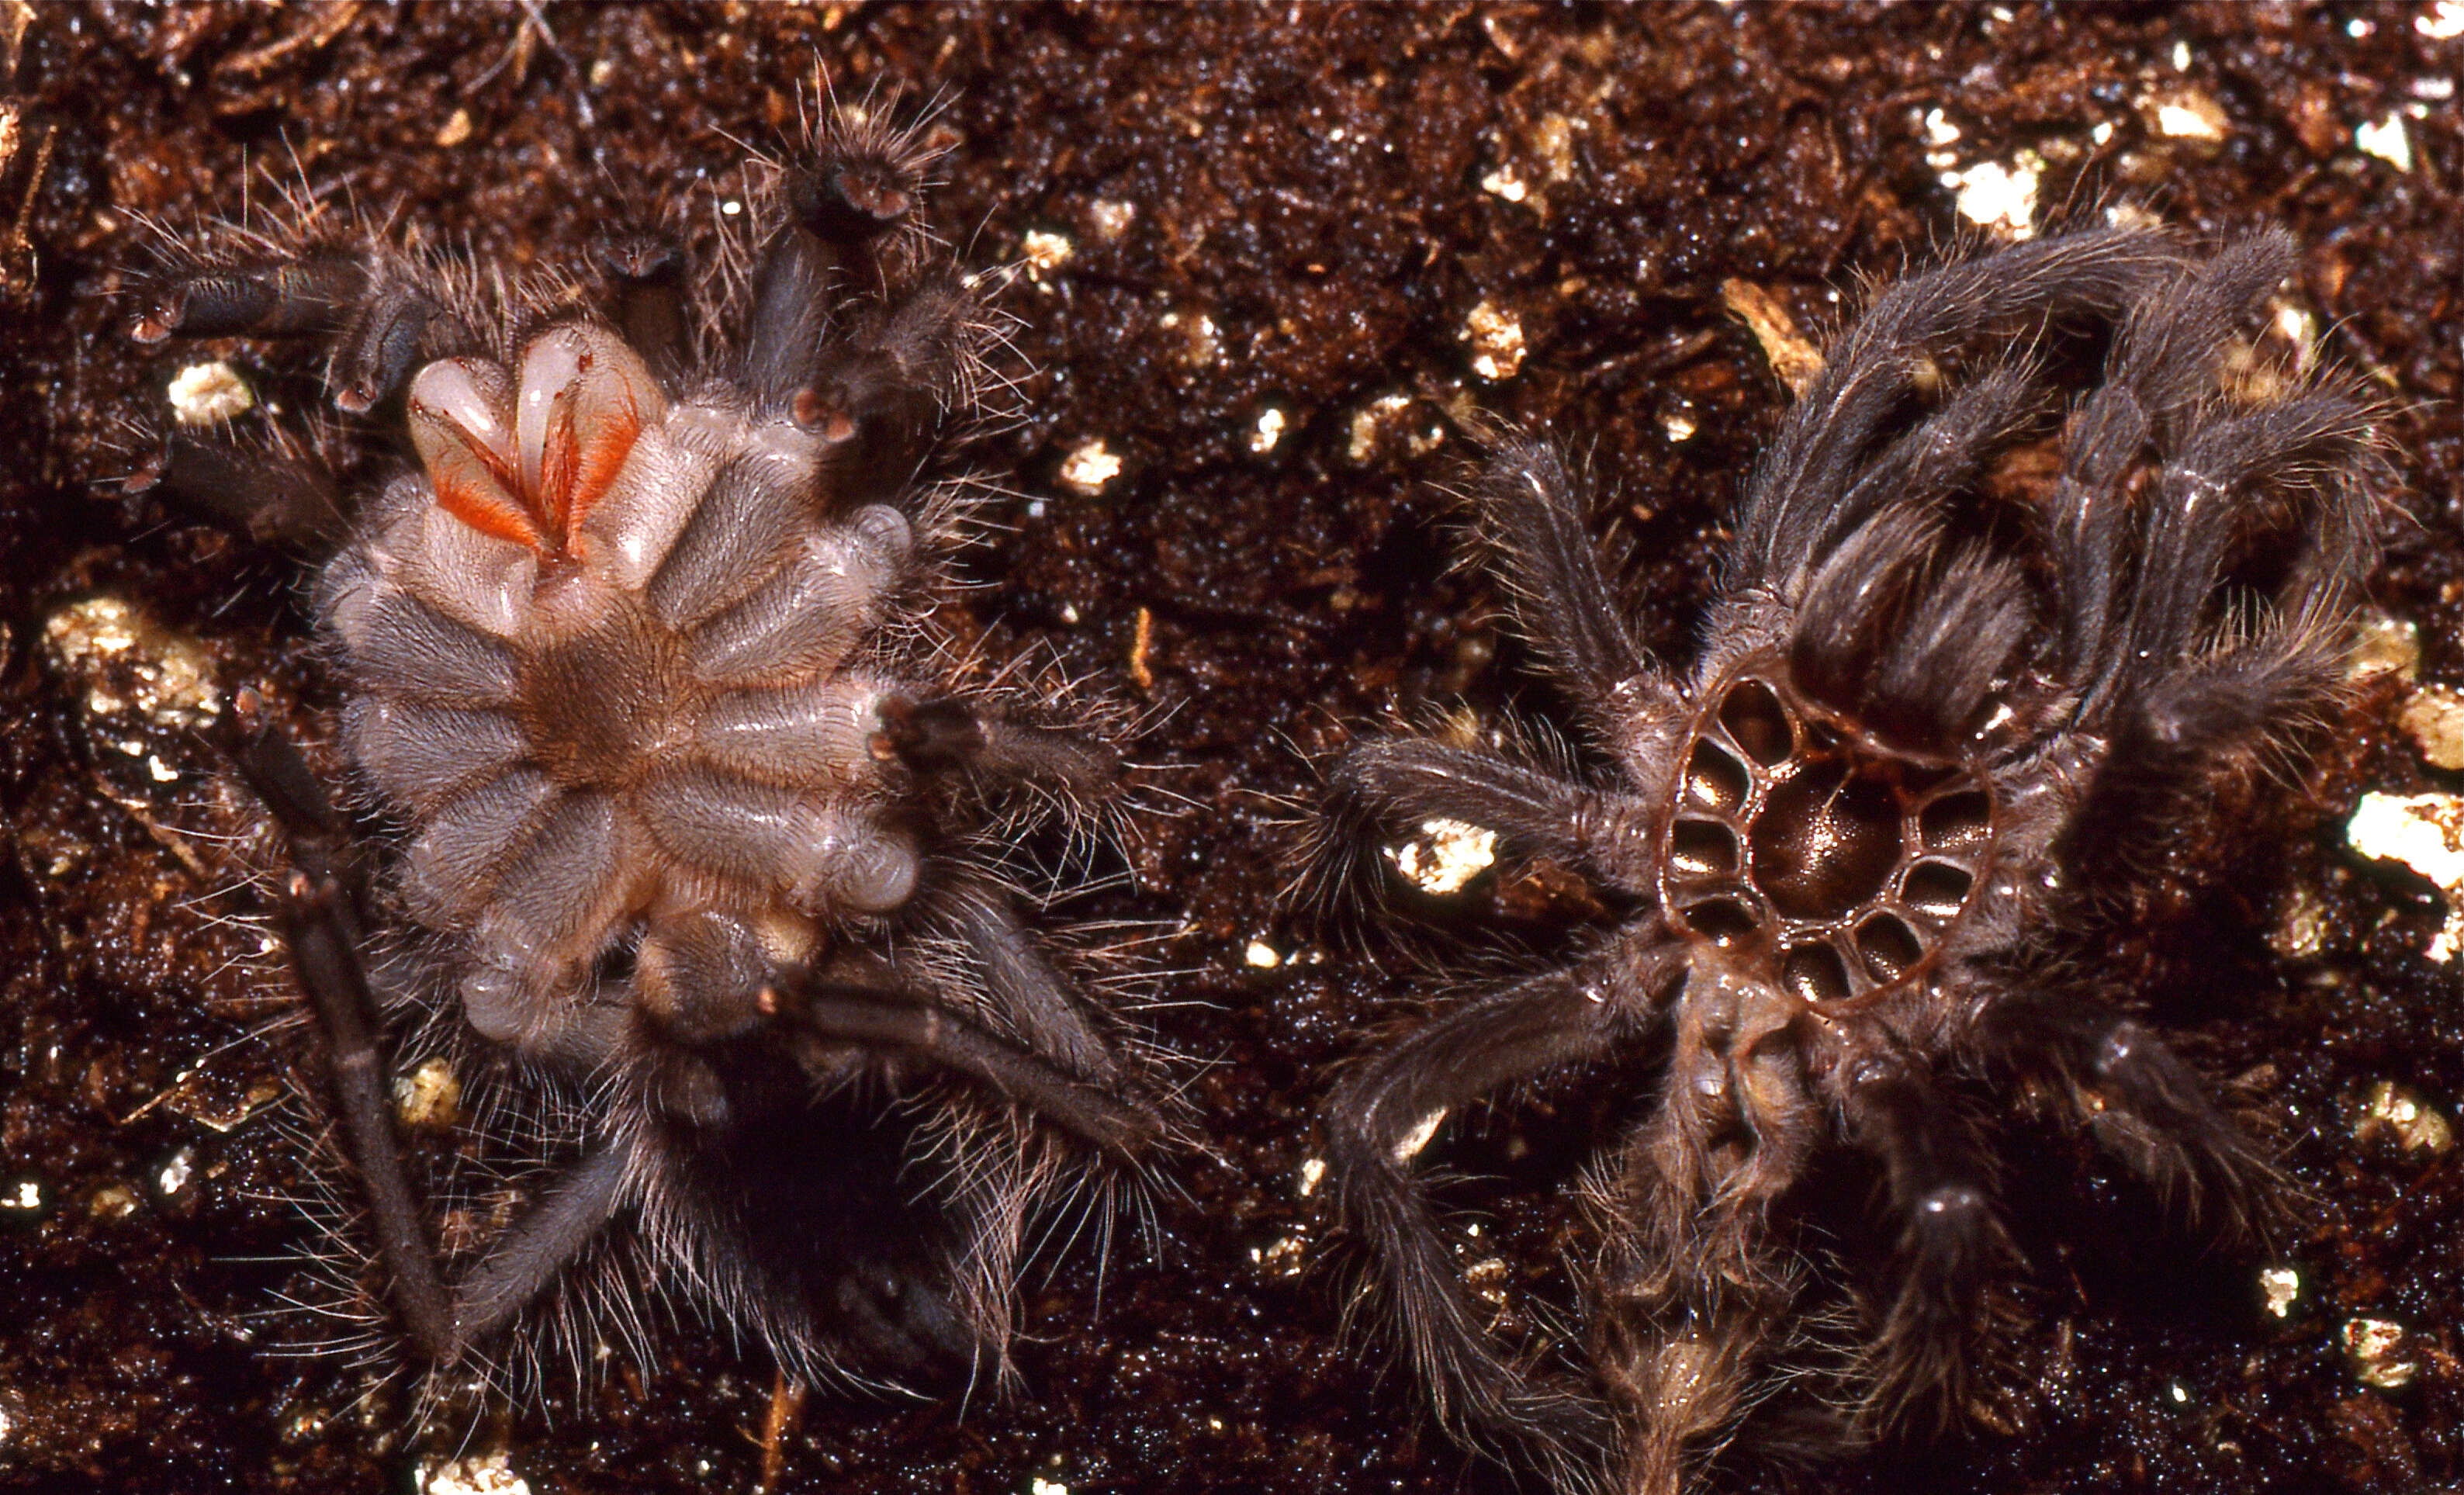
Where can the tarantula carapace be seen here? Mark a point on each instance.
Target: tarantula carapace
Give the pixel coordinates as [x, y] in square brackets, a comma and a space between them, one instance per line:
[1949, 710]
[702, 886]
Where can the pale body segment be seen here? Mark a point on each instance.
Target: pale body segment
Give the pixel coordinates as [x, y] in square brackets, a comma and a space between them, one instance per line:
[707, 869]
[605, 649]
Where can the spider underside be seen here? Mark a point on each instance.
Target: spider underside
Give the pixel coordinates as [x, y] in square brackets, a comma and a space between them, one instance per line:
[703, 864]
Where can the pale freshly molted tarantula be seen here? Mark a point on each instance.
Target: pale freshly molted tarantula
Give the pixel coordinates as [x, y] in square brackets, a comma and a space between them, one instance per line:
[703, 829]
[1942, 718]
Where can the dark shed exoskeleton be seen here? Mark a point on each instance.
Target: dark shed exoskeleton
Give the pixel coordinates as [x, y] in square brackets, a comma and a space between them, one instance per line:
[1943, 719]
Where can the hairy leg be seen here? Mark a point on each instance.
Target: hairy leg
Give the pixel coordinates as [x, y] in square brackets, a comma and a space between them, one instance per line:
[2139, 1099]
[866, 1018]
[1404, 781]
[952, 735]
[1938, 1185]
[1024, 988]
[1790, 520]
[1387, 1111]
[1533, 514]
[317, 914]
[280, 494]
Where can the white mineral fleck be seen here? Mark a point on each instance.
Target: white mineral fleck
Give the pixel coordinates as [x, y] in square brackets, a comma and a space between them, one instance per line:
[2383, 643]
[1200, 345]
[1998, 197]
[1371, 423]
[1496, 339]
[2281, 1286]
[125, 662]
[209, 393]
[2302, 926]
[481, 1474]
[2400, 1114]
[1553, 140]
[1313, 1173]
[1285, 1258]
[1269, 432]
[2434, 720]
[1091, 467]
[2379, 1352]
[1111, 218]
[1045, 251]
[429, 1097]
[2189, 116]
[1446, 855]
[2386, 140]
[2425, 832]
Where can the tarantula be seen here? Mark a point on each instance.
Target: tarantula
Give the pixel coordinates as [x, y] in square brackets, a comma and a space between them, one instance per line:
[1943, 720]
[701, 873]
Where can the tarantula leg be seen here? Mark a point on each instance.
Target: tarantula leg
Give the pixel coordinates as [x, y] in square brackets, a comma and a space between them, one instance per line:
[868, 1018]
[1409, 780]
[1790, 520]
[887, 382]
[323, 940]
[793, 293]
[1938, 1178]
[2169, 743]
[2143, 1104]
[647, 271]
[2164, 393]
[526, 1257]
[279, 298]
[317, 913]
[2157, 363]
[1944, 450]
[1532, 512]
[948, 734]
[282, 497]
[403, 326]
[384, 318]
[2197, 523]
[1386, 1113]
[1022, 984]
[862, 189]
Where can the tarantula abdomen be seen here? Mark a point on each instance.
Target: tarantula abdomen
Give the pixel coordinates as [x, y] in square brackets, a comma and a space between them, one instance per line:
[1871, 847]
